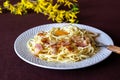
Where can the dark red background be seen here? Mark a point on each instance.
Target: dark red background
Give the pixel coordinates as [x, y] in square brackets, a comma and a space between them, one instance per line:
[102, 14]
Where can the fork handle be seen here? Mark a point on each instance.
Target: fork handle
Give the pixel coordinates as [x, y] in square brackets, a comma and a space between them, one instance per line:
[115, 49]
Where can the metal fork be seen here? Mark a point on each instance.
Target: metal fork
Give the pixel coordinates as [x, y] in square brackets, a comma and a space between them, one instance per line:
[112, 48]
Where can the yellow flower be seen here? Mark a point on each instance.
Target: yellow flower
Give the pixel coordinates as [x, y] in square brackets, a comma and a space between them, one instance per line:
[68, 3]
[37, 9]
[57, 16]
[60, 1]
[64, 1]
[52, 15]
[18, 11]
[51, 1]
[56, 6]
[67, 15]
[72, 20]
[23, 1]
[73, 15]
[58, 19]
[43, 8]
[48, 9]
[40, 0]
[43, 3]
[29, 5]
[61, 14]
[75, 0]
[6, 4]
[0, 10]
[12, 9]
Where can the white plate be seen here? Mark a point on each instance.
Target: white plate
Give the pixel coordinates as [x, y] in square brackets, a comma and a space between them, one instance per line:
[23, 52]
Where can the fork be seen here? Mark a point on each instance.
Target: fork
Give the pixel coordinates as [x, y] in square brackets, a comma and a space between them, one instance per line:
[112, 48]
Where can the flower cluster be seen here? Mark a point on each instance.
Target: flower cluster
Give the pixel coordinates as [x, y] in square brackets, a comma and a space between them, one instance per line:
[47, 7]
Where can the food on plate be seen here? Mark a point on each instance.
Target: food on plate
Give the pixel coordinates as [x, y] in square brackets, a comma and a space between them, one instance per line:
[64, 44]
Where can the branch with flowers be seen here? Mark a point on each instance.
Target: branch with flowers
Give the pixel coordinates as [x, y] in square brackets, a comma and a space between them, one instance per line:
[46, 7]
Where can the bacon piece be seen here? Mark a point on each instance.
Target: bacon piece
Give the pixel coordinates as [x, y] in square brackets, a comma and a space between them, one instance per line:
[66, 43]
[76, 38]
[70, 48]
[54, 48]
[45, 40]
[41, 34]
[63, 43]
[81, 44]
[38, 48]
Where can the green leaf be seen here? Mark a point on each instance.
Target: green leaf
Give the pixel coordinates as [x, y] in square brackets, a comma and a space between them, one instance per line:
[75, 7]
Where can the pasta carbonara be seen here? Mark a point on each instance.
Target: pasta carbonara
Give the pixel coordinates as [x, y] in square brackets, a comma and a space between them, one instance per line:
[65, 44]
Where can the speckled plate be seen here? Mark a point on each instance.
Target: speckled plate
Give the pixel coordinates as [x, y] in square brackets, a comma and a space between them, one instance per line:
[23, 52]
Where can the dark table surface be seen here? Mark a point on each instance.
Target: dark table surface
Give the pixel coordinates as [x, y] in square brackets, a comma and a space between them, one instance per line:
[102, 14]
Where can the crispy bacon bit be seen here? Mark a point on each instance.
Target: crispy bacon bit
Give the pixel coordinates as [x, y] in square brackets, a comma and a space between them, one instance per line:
[45, 40]
[41, 34]
[70, 48]
[63, 43]
[66, 43]
[54, 45]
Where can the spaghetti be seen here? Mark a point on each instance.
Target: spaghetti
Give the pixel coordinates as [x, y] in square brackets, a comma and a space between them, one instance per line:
[66, 44]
